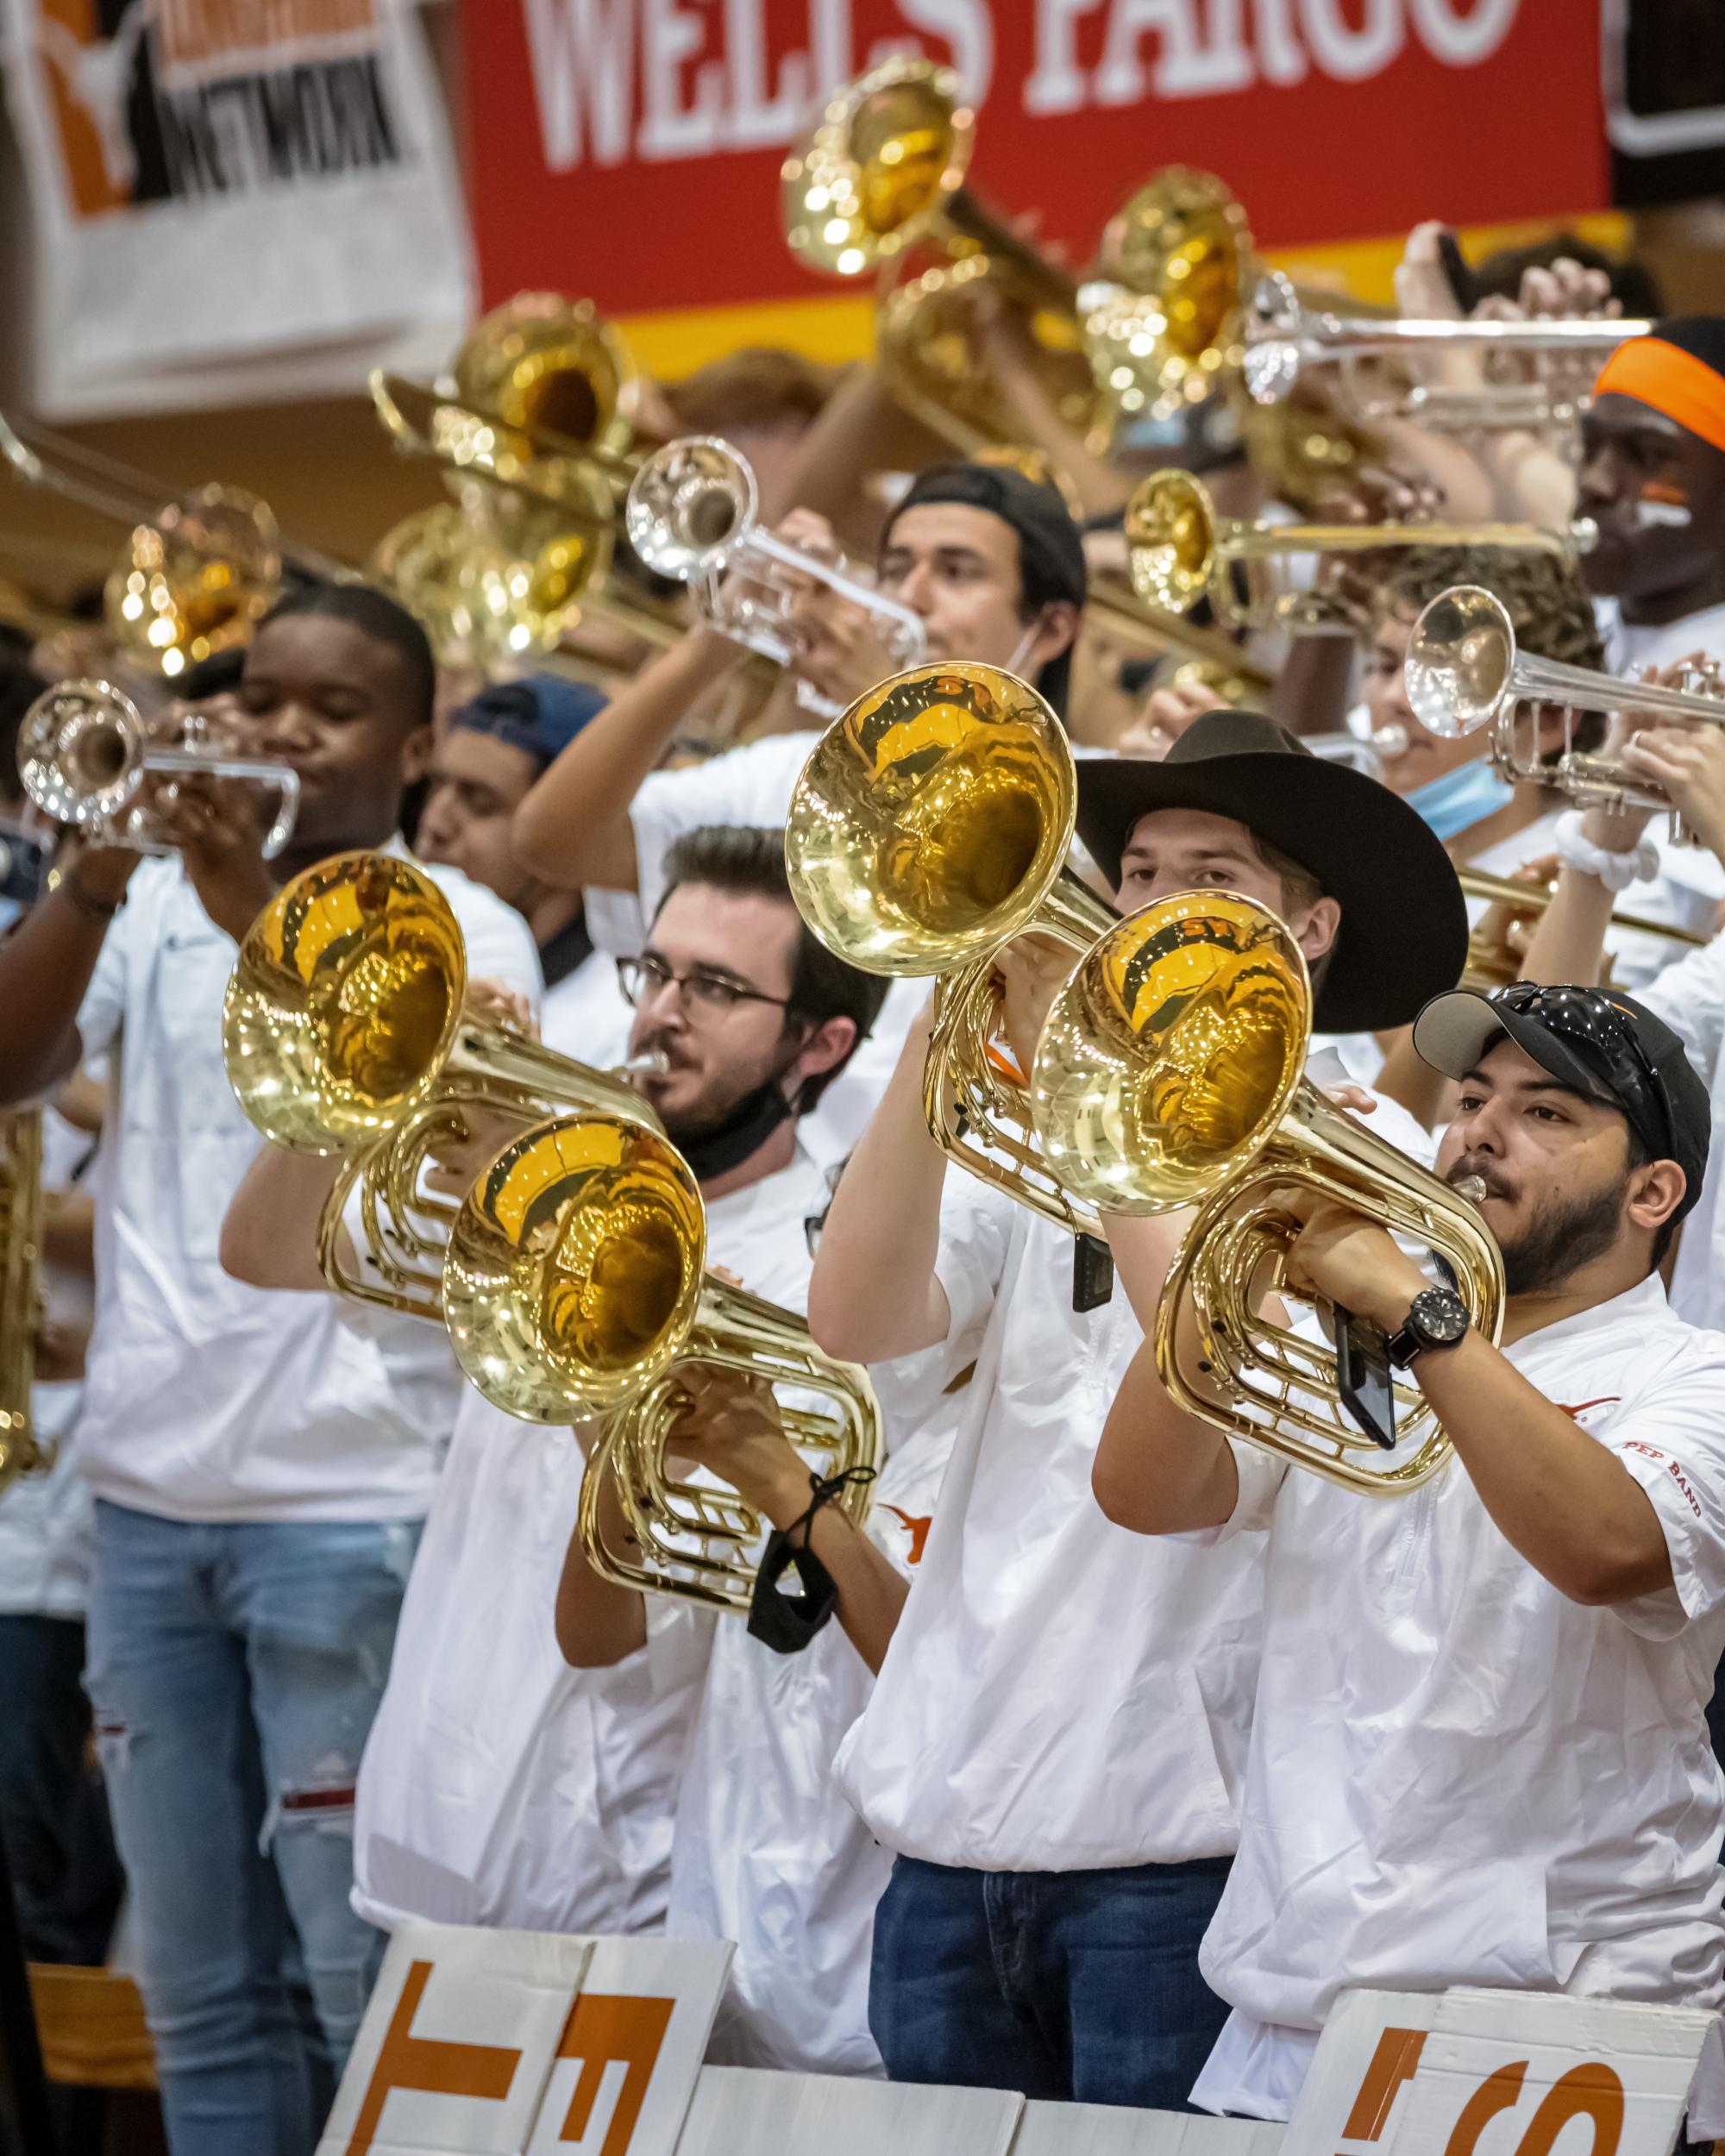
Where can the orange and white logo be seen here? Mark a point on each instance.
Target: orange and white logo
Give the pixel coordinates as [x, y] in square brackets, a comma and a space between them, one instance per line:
[90, 71]
[158, 99]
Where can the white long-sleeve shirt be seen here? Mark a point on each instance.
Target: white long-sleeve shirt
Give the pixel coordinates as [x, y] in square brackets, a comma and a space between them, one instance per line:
[1457, 1774]
[204, 1398]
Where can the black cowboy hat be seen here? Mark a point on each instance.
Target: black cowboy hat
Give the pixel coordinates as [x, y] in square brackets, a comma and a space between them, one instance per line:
[1403, 933]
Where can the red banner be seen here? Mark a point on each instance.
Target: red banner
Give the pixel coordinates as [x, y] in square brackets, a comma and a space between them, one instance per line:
[629, 149]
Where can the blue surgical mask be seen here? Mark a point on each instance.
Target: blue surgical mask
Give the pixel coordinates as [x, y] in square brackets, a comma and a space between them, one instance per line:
[1461, 798]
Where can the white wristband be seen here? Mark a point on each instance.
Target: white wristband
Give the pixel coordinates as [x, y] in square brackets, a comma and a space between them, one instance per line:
[1616, 871]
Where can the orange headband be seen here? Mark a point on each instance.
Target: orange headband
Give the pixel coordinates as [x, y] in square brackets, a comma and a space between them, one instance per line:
[1674, 382]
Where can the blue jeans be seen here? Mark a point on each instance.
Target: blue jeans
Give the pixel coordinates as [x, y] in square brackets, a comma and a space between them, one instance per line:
[1079, 1986]
[54, 1813]
[234, 1672]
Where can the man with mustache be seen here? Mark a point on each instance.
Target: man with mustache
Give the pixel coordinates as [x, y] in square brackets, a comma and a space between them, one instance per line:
[1054, 1748]
[751, 1015]
[1478, 1751]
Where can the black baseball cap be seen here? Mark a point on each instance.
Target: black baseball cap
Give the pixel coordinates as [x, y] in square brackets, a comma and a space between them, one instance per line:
[1596, 1042]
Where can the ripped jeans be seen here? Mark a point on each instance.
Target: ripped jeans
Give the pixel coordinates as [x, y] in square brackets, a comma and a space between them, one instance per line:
[233, 1671]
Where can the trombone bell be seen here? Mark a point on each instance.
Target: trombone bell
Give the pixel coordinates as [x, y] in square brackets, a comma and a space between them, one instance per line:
[551, 366]
[890, 152]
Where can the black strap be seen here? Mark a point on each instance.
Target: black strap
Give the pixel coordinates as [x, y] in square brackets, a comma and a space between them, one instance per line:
[787, 1622]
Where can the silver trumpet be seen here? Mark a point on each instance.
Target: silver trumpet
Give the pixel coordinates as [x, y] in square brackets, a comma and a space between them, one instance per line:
[693, 515]
[1285, 341]
[85, 753]
[1464, 673]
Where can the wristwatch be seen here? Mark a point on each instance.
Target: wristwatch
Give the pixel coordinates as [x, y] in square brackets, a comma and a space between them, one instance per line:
[1437, 1318]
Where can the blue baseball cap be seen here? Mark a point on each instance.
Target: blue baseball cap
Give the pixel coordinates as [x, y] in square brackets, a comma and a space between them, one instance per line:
[541, 714]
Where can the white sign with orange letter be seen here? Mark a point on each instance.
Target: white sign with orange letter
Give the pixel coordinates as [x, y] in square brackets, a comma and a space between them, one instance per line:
[497, 2043]
[1497, 2073]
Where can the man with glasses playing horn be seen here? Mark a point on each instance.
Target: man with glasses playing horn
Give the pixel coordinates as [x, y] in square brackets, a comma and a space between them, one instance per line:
[1478, 1751]
[546, 1802]
[1055, 1746]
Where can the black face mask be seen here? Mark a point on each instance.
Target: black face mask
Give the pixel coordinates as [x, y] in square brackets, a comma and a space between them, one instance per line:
[713, 1149]
[787, 1622]
[784, 1621]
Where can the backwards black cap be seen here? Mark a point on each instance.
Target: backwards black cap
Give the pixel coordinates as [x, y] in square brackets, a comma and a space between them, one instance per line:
[1050, 551]
[1599, 1043]
[1050, 548]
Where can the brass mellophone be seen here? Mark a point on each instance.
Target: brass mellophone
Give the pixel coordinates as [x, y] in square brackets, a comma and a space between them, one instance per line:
[575, 1286]
[571, 1279]
[1169, 1075]
[197, 571]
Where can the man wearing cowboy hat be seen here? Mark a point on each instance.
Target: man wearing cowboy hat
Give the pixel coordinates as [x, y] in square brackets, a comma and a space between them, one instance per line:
[1055, 1746]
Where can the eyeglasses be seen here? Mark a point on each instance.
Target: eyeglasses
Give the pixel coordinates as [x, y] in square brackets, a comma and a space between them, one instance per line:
[1590, 1019]
[642, 979]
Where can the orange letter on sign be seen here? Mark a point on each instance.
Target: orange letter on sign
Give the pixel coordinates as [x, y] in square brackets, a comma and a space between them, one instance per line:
[1499, 2091]
[1591, 2091]
[606, 2026]
[407, 2061]
[1393, 2062]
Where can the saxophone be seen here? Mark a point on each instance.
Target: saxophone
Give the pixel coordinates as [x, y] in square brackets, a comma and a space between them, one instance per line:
[20, 1291]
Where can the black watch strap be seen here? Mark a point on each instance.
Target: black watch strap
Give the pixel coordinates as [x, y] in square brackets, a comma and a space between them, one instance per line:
[1437, 1318]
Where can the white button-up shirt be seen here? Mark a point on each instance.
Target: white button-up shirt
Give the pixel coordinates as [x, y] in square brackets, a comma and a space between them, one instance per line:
[1459, 1775]
[751, 787]
[204, 1399]
[1060, 1694]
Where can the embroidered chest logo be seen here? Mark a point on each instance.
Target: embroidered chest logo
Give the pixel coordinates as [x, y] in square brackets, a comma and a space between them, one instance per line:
[916, 1530]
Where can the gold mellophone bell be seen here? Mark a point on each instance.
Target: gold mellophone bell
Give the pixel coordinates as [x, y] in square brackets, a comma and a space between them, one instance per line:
[1169, 1075]
[346, 1029]
[574, 1287]
[930, 828]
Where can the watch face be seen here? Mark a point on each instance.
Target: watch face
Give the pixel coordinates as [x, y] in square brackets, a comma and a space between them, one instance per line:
[1440, 1314]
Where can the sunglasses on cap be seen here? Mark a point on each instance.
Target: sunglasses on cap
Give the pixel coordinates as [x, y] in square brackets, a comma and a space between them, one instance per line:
[1589, 1020]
